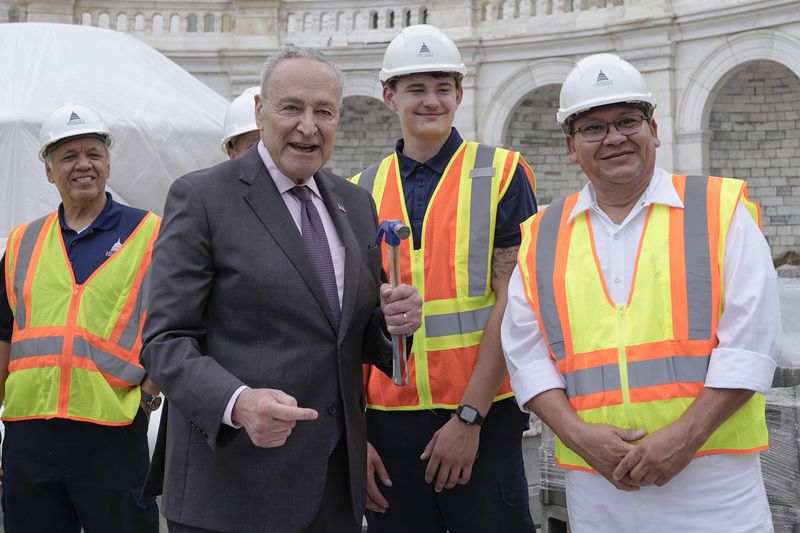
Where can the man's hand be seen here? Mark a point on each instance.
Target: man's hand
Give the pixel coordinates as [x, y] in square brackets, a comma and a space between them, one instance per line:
[452, 452]
[402, 309]
[662, 455]
[658, 458]
[604, 447]
[375, 500]
[268, 415]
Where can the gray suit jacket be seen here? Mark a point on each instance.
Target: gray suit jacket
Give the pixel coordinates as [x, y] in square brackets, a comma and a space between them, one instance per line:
[235, 300]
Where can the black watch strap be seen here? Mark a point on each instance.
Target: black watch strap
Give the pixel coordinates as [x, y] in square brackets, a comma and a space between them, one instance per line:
[153, 402]
[469, 415]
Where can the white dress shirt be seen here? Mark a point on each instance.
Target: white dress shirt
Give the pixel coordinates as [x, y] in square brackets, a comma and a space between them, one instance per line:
[749, 330]
[284, 185]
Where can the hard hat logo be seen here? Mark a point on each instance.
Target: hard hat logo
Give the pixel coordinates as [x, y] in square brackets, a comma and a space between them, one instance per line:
[80, 121]
[424, 51]
[74, 120]
[602, 79]
[419, 49]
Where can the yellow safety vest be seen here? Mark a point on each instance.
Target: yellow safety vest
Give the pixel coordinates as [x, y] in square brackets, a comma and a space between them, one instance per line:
[75, 348]
[642, 363]
[451, 270]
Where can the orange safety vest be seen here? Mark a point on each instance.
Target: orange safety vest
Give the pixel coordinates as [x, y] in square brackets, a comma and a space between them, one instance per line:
[642, 363]
[451, 270]
[75, 348]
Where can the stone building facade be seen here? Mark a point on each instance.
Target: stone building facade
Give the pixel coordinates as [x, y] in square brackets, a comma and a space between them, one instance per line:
[726, 73]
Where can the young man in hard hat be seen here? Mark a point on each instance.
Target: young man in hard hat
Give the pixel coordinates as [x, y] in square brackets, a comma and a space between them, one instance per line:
[72, 298]
[445, 450]
[643, 325]
[239, 127]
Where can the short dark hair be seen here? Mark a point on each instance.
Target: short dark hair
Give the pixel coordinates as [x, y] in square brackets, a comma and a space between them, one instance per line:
[644, 107]
[392, 82]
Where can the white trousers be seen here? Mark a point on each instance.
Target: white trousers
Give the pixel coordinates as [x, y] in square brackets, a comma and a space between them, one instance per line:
[714, 493]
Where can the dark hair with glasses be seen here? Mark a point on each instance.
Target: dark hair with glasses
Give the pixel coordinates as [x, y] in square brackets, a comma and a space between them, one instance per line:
[597, 131]
[644, 108]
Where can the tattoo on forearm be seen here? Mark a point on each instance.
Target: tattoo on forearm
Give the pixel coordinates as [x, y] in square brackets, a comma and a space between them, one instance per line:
[503, 261]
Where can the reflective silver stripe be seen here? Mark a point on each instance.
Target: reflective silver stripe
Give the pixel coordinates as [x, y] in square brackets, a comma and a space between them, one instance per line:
[667, 370]
[592, 380]
[131, 331]
[480, 213]
[21, 265]
[39, 346]
[108, 363]
[457, 323]
[367, 179]
[546, 240]
[698, 262]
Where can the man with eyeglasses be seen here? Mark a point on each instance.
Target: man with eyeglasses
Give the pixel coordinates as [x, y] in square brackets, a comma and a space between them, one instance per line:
[643, 325]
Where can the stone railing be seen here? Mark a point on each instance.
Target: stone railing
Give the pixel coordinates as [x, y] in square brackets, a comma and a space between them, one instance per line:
[325, 25]
[154, 22]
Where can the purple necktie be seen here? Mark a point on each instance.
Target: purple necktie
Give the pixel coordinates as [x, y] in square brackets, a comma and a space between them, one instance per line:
[317, 244]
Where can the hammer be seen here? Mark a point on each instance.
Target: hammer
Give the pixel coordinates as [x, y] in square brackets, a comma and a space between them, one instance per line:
[393, 231]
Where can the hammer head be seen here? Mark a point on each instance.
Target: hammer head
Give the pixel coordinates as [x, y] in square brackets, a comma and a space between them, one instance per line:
[393, 231]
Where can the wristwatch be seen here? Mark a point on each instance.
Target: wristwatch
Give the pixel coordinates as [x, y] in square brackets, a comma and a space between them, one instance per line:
[469, 415]
[153, 402]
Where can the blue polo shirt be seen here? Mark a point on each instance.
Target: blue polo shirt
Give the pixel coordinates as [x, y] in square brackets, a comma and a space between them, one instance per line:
[420, 180]
[86, 250]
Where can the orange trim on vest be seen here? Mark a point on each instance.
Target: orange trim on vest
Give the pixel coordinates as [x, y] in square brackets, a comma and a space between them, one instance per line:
[559, 281]
[677, 260]
[133, 295]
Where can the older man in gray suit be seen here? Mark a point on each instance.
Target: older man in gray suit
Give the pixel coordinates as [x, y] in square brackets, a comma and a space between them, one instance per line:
[266, 299]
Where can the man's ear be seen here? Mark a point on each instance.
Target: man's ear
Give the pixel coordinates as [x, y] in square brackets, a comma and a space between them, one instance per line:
[653, 125]
[573, 154]
[388, 98]
[49, 172]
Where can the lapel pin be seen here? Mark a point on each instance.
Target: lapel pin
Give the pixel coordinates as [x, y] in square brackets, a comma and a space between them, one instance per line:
[341, 208]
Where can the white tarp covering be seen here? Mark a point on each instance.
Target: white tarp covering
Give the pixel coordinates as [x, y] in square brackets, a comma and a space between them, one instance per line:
[165, 122]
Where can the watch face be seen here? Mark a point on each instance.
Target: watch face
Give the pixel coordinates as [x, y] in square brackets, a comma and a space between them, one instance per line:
[155, 403]
[468, 414]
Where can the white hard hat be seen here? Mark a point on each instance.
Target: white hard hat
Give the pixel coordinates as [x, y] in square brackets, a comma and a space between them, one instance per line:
[598, 80]
[71, 120]
[421, 48]
[240, 117]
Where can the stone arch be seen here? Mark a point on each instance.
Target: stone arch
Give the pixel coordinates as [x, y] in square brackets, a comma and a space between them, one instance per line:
[209, 23]
[367, 133]
[515, 87]
[694, 106]
[753, 126]
[158, 23]
[122, 22]
[86, 18]
[104, 20]
[533, 131]
[138, 22]
[362, 83]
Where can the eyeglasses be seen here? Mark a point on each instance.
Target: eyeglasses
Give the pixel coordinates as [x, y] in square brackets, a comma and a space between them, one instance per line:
[597, 131]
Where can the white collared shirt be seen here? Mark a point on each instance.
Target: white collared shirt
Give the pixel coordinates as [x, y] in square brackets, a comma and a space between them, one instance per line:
[749, 330]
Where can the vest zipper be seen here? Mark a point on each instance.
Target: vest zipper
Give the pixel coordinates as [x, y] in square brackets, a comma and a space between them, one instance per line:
[420, 346]
[67, 354]
[623, 367]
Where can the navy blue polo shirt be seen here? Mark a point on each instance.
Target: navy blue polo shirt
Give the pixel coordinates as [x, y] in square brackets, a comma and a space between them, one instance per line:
[420, 180]
[86, 250]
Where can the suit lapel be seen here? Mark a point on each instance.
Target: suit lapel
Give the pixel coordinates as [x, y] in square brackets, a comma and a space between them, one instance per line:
[352, 254]
[266, 202]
